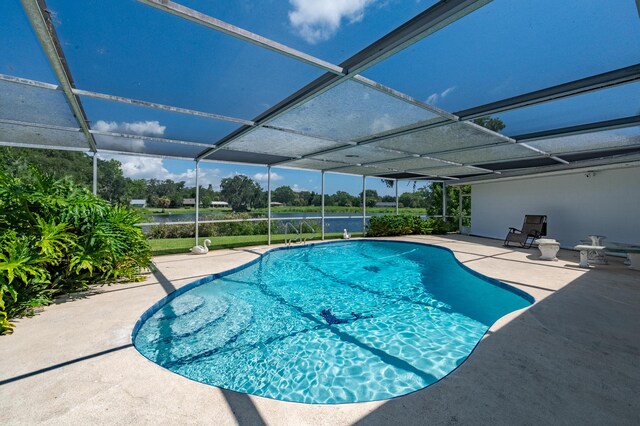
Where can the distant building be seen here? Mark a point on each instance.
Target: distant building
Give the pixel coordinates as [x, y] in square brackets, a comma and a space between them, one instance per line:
[219, 204]
[139, 203]
[276, 204]
[385, 204]
[189, 202]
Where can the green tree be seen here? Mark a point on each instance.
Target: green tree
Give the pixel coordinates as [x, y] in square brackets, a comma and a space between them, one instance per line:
[372, 197]
[434, 200]
[412, 199]
[284, 194]
[241, 192]
[136, 188]
[112, 185]
[342, 198]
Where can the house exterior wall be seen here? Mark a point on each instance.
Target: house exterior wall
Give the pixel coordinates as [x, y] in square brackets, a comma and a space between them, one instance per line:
[576, 205]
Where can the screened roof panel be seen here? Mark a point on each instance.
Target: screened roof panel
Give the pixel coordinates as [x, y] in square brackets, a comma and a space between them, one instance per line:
[20, 102]
[400, 175]
[450, 171]
[270, 141]
[442, 138]
[619, 154]
[244, 157]
[412, 163]
[609, 139]
[313, 29]
[364, 170]
[20, 51]
[503, 49]
[310, 163]
[488, 154]
[155, 56]
[360, 154]
[507, 48]
[42, 136]
[607, 104]
[520, 164]
[351, 111]
[137, 120]
[145, 146]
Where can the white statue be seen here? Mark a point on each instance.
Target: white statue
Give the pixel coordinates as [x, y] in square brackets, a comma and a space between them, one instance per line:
[201, 249]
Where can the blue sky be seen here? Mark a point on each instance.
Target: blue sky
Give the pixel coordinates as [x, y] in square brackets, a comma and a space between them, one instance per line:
[506, 48]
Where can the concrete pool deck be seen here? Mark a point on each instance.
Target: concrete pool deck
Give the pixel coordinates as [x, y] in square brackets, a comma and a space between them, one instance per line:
[572, 358]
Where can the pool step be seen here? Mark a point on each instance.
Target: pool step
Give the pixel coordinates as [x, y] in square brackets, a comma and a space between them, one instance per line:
[209, 339]
[181, 306]
[169, 325]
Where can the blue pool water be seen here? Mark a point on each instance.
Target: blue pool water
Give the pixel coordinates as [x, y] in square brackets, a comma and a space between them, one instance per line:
[328, 323]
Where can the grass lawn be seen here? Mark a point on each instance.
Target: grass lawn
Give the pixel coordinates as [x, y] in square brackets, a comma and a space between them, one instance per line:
[183, 245]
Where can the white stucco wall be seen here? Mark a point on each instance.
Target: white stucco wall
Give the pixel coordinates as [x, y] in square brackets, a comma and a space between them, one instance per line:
[576, 205]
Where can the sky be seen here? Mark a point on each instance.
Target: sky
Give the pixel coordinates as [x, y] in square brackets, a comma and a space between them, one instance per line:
[506, 48]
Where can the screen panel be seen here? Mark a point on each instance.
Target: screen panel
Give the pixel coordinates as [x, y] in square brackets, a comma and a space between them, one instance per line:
[126, 48]
[441, 139]
[360, 154]
[351, 111]
[605, 140]
[33, 135]
[271, 141]
[32, 104]
[508, 48]
[508, 151]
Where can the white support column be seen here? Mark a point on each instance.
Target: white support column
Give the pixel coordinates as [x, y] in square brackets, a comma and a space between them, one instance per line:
[269, 205]
[444, 201]
[322, 202]
[396, 183]
[197, 198]
[95, 173]
[460, 210]
[364, 205]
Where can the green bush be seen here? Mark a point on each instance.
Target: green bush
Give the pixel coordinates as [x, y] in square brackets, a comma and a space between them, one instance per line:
[391, 225]
[57, 237]
[435, 225]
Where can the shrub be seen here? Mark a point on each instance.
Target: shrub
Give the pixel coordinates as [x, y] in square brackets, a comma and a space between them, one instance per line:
[57, 237]
[435, 225]
[391, 225]
[381, 226]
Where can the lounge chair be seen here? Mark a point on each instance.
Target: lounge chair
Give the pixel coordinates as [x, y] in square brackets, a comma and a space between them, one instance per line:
[534, 226]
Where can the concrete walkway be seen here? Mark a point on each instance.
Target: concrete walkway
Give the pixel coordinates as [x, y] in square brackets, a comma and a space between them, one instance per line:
[571, 359]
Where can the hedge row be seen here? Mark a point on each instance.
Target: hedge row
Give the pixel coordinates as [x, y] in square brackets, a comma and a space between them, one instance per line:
[391, 225]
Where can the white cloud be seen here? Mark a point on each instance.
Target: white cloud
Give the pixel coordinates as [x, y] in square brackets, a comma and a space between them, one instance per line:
[382, 123]
[319, 20]
[142, 128]
[154, 168]
[263, 177]
[434, 98]
[297, 188]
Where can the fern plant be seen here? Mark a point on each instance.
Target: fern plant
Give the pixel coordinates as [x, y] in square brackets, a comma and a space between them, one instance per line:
[56, 237]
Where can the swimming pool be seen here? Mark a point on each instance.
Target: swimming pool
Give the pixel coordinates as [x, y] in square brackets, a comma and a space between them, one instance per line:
[328, 323]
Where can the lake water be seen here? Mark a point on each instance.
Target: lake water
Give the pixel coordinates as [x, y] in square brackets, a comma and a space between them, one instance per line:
[334, 222]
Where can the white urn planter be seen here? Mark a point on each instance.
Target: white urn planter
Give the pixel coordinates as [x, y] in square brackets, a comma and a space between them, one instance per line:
[548, 248]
